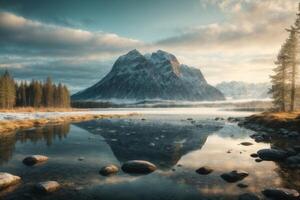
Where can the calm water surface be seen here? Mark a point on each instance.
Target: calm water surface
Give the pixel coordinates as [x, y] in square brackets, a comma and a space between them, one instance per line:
[166, 138]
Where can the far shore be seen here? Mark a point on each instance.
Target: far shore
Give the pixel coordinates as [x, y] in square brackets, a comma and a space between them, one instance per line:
[25, 118]
[42, 109]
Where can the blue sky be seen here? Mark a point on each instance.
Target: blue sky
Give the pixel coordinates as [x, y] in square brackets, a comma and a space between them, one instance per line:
[76, 42]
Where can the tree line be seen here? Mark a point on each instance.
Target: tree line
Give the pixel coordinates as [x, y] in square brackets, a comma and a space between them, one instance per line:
[33, 94]
[285, 81]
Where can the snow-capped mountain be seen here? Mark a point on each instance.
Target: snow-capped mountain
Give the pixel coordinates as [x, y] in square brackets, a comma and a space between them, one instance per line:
[153, 76]
[242, 90]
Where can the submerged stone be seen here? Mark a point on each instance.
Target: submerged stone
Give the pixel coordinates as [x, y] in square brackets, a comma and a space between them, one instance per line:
[204, 170]
[138, 167]
[34, 159]
[242, 185]
[254, 155]
[7, 180]
[109, 170]
[246, 143]
[47, 186]
[234, 176]
[281, 194]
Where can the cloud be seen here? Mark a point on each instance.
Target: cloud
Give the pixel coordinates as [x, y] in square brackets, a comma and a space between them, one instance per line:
[242, 46]
[249, 25]
[19, 35]
[77, 75]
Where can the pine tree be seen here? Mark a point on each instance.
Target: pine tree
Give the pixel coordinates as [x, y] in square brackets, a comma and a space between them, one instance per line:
[48, 93]
[284, 82]
[279, 79]
[66, 95]
[38, 92]
[2, 92]
[7, 91]
[292, 54]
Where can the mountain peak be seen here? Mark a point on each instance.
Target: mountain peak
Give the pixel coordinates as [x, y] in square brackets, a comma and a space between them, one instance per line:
[161, 56]
[169, 61]
[159, 76]
[134, 52]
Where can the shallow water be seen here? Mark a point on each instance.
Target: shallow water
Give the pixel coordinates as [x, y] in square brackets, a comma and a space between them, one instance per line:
[176, 145]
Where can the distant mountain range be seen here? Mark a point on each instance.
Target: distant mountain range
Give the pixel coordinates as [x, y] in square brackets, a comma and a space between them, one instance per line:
[242, 90]
[156, 76]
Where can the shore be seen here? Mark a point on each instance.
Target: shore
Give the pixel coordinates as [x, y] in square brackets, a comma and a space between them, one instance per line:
[273, 122]
[11, 120]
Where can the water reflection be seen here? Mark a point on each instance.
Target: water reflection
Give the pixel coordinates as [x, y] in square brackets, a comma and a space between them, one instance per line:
[176, 145]
[160, 143]
[285, 172]
[47, 134]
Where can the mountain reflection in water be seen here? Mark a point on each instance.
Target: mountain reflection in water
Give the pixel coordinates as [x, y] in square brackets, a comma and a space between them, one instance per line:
[160, 143]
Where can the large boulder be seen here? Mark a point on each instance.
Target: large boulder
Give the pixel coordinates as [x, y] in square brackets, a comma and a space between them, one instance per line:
[234, 176]
[109, 170]
[47, 186]
[281, 194]
[138, 167]
[272, 154]
[7, 180]
[34, 159]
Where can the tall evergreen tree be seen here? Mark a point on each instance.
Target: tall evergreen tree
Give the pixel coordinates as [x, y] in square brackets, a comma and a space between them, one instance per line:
[48, 93]
[7, 91]
[38, 93]
[278, 89]
[284, 82]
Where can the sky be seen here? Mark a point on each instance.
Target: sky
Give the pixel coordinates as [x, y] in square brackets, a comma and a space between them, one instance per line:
[76, 42]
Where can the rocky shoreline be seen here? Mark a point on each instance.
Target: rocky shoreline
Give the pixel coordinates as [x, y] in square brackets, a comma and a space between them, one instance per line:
[278, 123]
[273, 128]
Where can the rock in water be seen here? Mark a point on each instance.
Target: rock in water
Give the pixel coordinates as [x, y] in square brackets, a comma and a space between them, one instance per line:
[246, 143]
[254, 155]
[7, 180]
[293, 160]
[281, 194]
[234, 176]
[272, 154]
[248, 196]
[47, 186]
[138, 167]
[34, 159]
[242, 185]
[204, 170]
[108, 170]
[158, 76]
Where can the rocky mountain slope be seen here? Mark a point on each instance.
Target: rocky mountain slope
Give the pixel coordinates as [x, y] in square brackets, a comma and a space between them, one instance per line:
[153, 76]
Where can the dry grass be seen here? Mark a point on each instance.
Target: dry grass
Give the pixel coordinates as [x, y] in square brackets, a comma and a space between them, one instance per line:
[280, 116]
[32, 109]
[8, 126]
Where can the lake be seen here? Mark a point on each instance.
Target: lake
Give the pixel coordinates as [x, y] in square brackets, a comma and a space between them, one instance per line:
[177, 140]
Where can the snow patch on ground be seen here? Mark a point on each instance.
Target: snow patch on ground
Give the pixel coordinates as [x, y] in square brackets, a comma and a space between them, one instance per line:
[52, 115]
